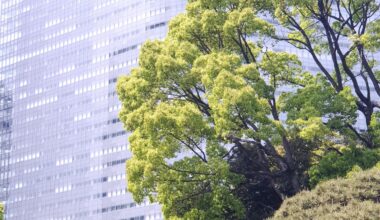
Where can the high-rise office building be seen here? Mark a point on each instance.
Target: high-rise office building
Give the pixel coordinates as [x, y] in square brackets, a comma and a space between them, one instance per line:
[63, 149]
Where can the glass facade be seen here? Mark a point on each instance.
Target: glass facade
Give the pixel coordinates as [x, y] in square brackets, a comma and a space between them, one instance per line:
[59, 62]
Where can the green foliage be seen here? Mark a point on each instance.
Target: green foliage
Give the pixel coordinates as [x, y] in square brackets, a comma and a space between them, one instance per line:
[335, 165]
[204, 113]
[1, 211]
[318, 110]
[314, 27]
[374, 128]
[354, 198]
[193, 93]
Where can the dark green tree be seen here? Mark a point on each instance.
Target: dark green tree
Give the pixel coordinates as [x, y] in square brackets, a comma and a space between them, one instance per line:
[338, 164]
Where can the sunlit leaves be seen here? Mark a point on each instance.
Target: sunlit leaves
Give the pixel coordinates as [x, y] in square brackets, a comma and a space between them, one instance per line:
[316, 108]
[209, 115]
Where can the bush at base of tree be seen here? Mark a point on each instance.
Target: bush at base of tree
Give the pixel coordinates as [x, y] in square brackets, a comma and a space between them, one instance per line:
[356, 197]
[336, 164]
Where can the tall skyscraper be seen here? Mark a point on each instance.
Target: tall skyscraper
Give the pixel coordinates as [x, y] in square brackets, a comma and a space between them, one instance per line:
[63, 149]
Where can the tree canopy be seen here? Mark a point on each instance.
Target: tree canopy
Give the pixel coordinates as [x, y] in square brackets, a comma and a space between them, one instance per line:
[347, 32]
[215, 135]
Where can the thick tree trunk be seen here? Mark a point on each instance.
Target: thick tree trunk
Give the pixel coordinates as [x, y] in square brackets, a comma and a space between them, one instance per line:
[293, 176]
[294, 180]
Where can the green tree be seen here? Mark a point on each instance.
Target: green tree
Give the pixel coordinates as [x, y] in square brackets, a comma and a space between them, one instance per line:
[339, 164]
[347, 32]
[354, 198]
[204, 109]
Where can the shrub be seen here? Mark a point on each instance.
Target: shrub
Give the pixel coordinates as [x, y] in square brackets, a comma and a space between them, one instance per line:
[357, 197]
